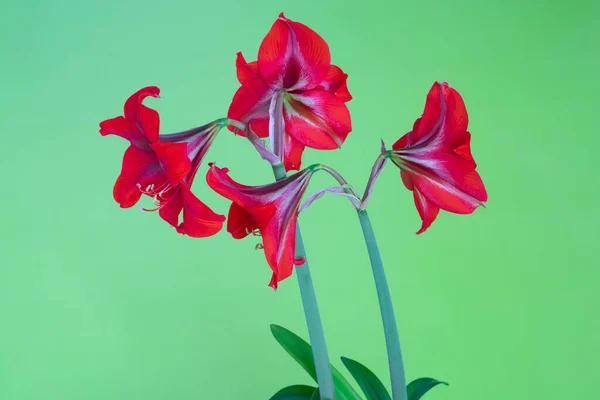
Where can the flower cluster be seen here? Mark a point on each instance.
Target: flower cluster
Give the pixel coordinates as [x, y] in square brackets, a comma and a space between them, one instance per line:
[294, 96]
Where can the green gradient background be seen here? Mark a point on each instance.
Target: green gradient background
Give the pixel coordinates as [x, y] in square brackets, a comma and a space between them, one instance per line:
[97, 302]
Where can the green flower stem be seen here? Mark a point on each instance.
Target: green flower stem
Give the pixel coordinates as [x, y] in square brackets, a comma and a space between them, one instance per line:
[311, 313]
[392, 340]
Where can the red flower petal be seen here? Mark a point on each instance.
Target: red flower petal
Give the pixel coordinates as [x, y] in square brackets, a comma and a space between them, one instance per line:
[251, 102]
[432, 115]
[317, 119]
[121, 127]
[451, 183]
[240, 222]
[427, 210]
[335, 82]
[133, 102]
[273, 283]
[219, 180]
[463, 149]
[172, 208]
[444, 122]
[144, 118]
[272, 57]
[457, 120]
[289, 189]
[140, 167]
[173, 159]
[262, 215]
[402, 142]
[198, 219]
[245, 71]
[406, 179]
[293, 56]
[279, 246]
[292, 157]
[260, 126]
[408, 139]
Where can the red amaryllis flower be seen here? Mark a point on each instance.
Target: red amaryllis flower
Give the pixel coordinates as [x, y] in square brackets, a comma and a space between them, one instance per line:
[435, 158]
[269, 211]
[293, 77]
[162, 166]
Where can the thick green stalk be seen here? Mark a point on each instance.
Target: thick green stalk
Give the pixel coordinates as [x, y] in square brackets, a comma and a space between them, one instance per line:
[392, 340]
[311, 314]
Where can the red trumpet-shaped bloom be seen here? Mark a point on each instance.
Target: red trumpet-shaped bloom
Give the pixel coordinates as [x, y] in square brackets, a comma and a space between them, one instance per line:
[294, 82]
[162, 166]
[435, 158]
[270, 211]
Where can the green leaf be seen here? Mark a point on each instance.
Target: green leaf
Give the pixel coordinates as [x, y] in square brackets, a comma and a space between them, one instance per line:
[316, 395]
[367, 380]
[417, 388]
[302, 353]
[296, 392]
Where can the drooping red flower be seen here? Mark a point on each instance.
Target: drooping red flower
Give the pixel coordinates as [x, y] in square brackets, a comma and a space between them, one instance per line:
[270, 211]
[435, 158]
[293, 72]
[162, 166]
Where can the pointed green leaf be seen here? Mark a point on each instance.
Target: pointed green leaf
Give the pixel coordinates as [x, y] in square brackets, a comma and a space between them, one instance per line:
[296, 392]
[297, 348]
[417, 388]
[301, 351]
[367, 380]
[316, 395]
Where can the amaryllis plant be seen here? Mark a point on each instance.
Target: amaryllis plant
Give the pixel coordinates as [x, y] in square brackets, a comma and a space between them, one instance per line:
[296, 98]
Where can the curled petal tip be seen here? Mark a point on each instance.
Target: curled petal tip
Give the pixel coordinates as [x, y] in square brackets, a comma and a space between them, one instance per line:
[273, 282]
[424, 227]
[153, 91]
[282, 16]
[299, 261]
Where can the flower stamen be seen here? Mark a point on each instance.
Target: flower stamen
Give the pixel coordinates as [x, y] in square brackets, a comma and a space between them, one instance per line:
[160, 195]
[253, 232]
